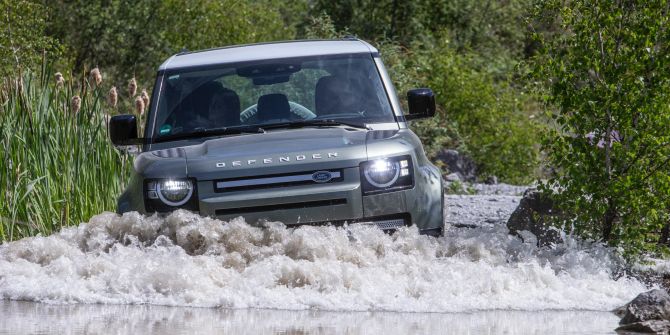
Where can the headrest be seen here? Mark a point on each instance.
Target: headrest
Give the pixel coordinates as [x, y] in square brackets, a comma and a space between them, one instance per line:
[273, 107]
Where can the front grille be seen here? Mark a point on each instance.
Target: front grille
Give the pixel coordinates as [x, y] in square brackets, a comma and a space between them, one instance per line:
[386, 223]
[277, 180]
[267, 208]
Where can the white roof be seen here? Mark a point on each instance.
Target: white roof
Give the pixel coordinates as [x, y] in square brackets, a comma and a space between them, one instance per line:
[261, 51]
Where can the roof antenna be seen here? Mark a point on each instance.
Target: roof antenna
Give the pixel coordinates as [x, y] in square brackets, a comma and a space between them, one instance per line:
[349, 37]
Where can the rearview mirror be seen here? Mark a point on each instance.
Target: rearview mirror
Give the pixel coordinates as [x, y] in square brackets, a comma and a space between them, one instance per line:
[421, 103]
[123, 130]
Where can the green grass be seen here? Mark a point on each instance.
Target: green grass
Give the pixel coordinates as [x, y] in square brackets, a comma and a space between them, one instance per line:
[57, 168]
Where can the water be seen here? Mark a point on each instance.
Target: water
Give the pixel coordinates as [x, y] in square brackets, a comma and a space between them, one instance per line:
[36, 318]
[304, 280]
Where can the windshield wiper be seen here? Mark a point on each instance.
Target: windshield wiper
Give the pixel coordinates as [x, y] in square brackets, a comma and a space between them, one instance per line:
[200, 132]
[316, 123]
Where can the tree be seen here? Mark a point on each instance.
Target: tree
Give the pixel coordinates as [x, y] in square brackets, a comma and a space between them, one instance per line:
[608, 81]
[22, 35]
[489, 28]
[497, 123]
[127, 38]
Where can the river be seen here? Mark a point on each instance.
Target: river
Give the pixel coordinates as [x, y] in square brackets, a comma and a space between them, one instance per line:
[38, 318]
[187, 274]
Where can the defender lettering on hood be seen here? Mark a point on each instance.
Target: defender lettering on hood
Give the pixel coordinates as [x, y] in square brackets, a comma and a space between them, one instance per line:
[280, 159]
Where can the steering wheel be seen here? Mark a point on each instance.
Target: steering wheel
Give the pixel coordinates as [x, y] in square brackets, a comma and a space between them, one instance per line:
[296, 109]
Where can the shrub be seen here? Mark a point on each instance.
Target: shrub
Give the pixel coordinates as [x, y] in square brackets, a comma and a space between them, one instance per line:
[495, 122]
[608, 82]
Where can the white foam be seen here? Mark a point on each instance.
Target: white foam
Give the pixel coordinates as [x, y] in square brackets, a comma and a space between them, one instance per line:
[188, 260]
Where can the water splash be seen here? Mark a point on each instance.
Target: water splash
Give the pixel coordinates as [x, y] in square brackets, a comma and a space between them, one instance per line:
[187, 260]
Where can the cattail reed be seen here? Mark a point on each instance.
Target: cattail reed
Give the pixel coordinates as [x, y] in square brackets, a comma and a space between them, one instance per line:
[145, 97]
[19, 84]
[4, 94]
[41, 136]
[132, 87]
[96, 76]
[75, 104]
[113, 97]
[105, 119]
[139, 106]
[60, 81]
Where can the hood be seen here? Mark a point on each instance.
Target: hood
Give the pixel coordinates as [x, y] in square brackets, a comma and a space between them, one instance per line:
[276, 152]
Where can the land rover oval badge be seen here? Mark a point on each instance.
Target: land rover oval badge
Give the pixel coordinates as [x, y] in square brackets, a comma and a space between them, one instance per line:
[322, 176]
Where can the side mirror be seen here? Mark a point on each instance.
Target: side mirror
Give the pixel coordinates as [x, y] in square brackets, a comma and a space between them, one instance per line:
[421, 103]
[123, 130]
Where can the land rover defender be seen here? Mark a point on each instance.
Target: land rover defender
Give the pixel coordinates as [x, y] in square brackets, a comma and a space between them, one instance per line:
[302, 132]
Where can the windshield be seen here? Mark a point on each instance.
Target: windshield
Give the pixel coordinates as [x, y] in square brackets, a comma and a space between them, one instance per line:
[341, 89]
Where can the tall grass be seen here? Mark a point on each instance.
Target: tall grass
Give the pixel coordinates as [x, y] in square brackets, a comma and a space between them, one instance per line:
[57, 167]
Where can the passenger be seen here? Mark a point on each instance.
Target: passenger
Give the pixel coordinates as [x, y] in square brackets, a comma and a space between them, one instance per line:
[224, 109]
[216, 106]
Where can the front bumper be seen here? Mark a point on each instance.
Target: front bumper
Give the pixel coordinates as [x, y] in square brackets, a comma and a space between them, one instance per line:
[334, 203]
[329, 203]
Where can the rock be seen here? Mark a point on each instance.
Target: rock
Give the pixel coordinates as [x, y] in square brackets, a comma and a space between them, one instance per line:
[534, 214]
[651, 326]
[620, 311]
[651, 305]
[452, 177]
[491, 180]
[455, 162]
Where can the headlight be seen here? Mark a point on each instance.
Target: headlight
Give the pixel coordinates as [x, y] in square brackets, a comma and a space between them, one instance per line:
[170, 192]
[388, 174]
[382, 173]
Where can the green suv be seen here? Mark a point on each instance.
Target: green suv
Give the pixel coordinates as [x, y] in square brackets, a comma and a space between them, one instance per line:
[302, 132]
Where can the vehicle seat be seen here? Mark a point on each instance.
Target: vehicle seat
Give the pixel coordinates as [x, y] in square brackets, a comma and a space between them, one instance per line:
[333, 96]
[232, 107]
[273, 107]
[203, 95]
